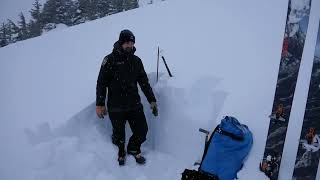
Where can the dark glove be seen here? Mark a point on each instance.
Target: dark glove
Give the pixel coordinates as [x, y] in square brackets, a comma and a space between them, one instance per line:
[154, 108]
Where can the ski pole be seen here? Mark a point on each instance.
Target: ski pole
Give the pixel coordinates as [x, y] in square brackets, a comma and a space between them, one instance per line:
[165, 63]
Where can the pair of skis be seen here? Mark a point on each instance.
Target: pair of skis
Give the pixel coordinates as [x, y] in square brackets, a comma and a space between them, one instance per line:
[307, 160]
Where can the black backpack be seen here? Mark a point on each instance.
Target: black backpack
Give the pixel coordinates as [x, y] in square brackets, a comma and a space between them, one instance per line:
[197, 175]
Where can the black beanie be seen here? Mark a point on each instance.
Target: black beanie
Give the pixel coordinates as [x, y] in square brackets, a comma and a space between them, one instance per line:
[126, 36]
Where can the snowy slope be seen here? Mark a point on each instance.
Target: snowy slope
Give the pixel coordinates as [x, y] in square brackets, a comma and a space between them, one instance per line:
[224, 57]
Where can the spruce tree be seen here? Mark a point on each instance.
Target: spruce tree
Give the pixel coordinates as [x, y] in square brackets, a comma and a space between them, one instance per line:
[3, 35]
[12, 32]
[23, 31]
[36, 24]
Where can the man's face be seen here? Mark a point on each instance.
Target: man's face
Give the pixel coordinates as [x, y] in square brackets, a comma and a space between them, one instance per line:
[128, 46]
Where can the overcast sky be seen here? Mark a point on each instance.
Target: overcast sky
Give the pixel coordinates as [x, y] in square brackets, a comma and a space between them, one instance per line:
[317, 53]
[11, 9]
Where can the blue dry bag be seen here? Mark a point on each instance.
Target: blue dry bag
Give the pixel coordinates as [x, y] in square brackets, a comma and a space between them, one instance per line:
[227, 149]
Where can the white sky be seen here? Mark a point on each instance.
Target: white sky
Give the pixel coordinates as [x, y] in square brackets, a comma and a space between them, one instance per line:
[317, 53]
[11, 9]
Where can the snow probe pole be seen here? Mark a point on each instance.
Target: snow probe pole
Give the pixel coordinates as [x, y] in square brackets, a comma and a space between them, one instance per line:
[165, 63]
[158, 64]
[205, 144]
[206, 132]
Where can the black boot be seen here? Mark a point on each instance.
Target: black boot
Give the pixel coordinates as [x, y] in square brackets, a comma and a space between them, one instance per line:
[139, 158]
[121, 155]
[121, 161]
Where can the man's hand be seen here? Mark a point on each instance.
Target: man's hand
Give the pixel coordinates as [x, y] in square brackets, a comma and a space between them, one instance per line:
[154, 107]
[101, 111]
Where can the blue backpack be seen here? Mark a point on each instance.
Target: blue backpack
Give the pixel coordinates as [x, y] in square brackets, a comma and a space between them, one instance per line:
[227, 149]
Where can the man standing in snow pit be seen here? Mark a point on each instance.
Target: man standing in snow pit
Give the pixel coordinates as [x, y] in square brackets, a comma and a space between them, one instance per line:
[118, 77]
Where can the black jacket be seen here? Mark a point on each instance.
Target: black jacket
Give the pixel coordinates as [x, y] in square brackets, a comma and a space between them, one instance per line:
[119, 73]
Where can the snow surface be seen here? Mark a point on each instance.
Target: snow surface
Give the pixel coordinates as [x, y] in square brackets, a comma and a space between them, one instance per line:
[224, 56]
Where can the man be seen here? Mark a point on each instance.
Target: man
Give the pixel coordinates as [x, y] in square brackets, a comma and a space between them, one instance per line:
[119, 74]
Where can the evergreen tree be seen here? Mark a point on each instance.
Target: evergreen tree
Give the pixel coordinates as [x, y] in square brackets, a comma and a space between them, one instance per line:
[33, 28]
[49, 12]
[36, 25]
[78, 17]
[12, 31]
[68, 12]
[65, 12]
[103, 7]
[110, 8]
[60, 11]
[130, 4]
[3, 35]
[23, 31]
[86, 10]
[119, 5]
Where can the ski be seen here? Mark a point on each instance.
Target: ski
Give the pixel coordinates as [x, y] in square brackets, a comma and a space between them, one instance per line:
[293, 44]
[306, 164]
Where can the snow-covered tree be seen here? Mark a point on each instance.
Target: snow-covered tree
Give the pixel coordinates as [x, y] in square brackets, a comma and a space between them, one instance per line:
[23, 30]
[49, 12]
[103, 7]
[3, 35]
[36, 25]
[12, 32]
[86, 10]
[65, 12]
[59, 11]
[130, 4]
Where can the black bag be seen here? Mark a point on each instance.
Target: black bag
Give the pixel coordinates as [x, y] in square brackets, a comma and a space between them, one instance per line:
[196, 175]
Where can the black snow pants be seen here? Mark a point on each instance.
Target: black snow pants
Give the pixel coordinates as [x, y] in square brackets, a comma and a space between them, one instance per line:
[138, 125]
